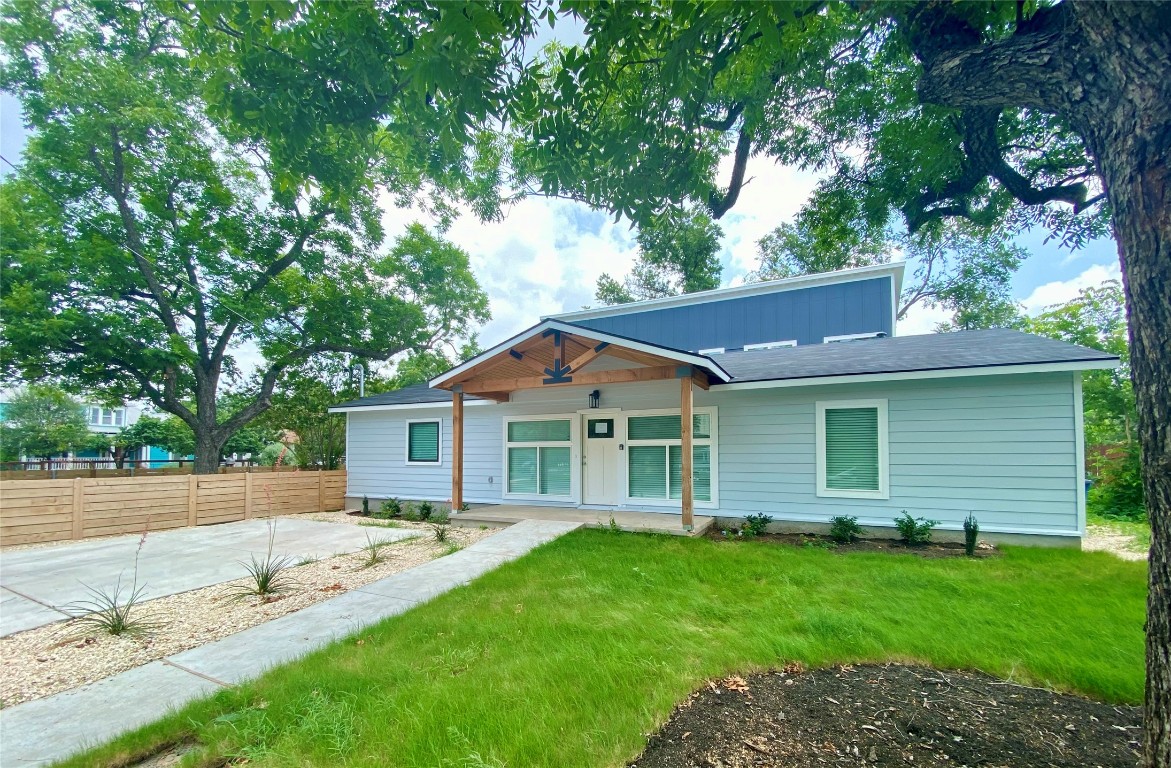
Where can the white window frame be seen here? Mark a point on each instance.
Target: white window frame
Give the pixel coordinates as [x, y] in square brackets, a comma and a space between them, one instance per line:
[711, 351]
[407, 443]
[852, 337]
[771, 345]
[883, 491]
[713, 442]
[574, 445]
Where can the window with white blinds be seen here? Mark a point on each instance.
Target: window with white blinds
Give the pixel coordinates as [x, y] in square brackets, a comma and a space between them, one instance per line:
[539, 457]
[654, 456]
[423, 442]
[852, 449]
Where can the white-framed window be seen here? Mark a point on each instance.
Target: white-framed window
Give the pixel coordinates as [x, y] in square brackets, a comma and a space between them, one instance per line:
[853, 337]
[654, 456]
[770, 345]
[711, 351]
[852, 449]
[106, 417]
[538, 456]
[424, 441]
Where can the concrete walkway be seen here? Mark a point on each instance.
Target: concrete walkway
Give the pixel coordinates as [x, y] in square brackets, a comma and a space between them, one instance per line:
[46, 730]
[37, 585]
[626, 520]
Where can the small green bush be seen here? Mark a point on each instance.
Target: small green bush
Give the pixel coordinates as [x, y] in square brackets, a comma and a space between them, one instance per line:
[971, 534]
[754, 525]
[426, 509]
[410, 513]
[1117, 494]
[366, 506]
[845, 529]
[914, 531]
[440, 525]
[391, 508]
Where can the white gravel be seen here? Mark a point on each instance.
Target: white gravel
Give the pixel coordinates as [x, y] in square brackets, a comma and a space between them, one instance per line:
[65, 655]
[1103, 538]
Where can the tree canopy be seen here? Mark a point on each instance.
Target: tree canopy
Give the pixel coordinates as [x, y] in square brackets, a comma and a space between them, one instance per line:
[153, 242]
[678, 252]
[43, 421]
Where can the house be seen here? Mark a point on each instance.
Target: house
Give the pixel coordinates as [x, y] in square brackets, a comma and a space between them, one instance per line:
[795, 398]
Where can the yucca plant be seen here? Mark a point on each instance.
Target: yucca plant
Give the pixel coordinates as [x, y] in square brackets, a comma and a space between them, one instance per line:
[266, 577]
[372, 550]
[107, 612]
[440, 523]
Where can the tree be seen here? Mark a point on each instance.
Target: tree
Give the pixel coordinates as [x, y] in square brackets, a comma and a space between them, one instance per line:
[678, 252]
[1004, 114]
[965, 270]
[43, 421]
[153, 240]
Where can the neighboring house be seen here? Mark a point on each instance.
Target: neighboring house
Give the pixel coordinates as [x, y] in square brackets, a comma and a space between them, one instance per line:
[107, 420]
[804, 404]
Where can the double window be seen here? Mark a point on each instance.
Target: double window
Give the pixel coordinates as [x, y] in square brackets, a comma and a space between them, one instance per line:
[423, 441]
[654, 451]
[852, 449]
[539, 457]
[107, 417]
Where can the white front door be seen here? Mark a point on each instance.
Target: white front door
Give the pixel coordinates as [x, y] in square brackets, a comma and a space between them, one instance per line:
[599, 460]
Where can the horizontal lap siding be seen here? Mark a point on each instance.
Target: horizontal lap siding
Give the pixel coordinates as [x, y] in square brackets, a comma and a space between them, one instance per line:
[1002, 448]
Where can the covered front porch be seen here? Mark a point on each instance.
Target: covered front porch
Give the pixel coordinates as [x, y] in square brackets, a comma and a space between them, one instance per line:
[499, 515]
[579, 465]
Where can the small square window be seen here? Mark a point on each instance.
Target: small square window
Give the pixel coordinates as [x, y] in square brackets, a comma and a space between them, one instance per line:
[423, 442]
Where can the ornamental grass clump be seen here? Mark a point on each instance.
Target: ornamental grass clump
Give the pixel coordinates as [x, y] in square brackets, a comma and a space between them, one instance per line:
[441, 525]
[267, 577]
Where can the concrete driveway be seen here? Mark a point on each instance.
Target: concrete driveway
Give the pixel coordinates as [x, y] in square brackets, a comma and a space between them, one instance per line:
[37, 585]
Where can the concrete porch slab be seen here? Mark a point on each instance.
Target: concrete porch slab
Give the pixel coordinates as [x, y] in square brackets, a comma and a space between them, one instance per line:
[502, 515]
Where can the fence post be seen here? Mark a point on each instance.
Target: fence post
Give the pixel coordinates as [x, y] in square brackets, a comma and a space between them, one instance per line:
[320, 491]
[78, 507]
[193, 500]
[247, 495]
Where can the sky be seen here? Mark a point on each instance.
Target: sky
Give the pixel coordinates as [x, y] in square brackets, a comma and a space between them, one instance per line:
[546, 255]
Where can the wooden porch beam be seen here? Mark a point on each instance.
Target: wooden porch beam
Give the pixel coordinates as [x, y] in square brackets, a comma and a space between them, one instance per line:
[525, 359]
[584, 379]
[701, 380]
[585, 359]
[457, 449]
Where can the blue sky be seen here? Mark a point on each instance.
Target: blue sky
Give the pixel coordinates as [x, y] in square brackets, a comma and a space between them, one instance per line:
[546, 255]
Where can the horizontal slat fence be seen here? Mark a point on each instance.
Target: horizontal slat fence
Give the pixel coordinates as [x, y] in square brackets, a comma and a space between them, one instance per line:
[81, 507]
[129, 471]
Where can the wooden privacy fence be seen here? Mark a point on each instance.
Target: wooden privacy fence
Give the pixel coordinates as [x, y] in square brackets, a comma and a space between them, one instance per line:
[78, 508]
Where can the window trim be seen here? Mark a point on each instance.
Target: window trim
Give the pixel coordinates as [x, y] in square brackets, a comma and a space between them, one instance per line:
[574, 445]
[712, 442]
[407, 443]
[771, 345]
[883, 491]
[711, 351]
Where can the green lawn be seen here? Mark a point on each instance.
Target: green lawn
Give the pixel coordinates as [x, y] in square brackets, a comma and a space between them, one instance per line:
[571, 655]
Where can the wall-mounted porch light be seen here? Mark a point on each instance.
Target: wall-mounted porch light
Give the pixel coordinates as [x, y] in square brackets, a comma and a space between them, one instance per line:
[595, 398]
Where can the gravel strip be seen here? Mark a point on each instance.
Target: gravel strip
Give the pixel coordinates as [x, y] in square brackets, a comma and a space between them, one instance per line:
[1102, 538]
[65, 655]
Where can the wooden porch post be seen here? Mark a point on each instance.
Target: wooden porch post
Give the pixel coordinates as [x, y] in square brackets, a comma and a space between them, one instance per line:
[686, 425]
[457, 448]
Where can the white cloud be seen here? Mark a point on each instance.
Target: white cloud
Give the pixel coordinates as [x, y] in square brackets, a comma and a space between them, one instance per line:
[1061, 291]
[921, 319]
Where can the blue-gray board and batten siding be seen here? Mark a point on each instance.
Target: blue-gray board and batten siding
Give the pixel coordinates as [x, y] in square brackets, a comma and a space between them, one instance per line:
[804, 315]
[1003, 448]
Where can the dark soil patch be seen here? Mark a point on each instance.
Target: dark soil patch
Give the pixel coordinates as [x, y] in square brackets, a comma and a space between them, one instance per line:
[894, 546]
[891, 716]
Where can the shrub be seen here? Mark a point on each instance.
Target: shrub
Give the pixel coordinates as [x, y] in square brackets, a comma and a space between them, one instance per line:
[409, 512]
[109, 613]
[391, 508]
[266, 577]
[754, 525]
[366, 506]
[1118, 492]
[914, 530]
[426, 509]
[845, 529]
[971, 534]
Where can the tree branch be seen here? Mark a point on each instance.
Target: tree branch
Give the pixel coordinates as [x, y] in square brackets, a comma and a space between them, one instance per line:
[721, 204]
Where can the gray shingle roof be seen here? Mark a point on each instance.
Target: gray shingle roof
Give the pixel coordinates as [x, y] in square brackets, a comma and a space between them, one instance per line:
[899, 354]
[414, 394]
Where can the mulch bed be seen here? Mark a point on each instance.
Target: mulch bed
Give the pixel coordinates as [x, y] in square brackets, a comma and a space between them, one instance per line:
[890, 716]
[894, 546]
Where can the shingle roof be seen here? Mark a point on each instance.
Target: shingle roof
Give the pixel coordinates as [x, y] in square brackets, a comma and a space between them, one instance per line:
[929, 352]
[414, 394]
[898, 354]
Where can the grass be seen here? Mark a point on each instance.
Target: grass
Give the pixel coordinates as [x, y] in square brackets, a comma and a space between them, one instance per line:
[1141, 531]
[570, 655]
